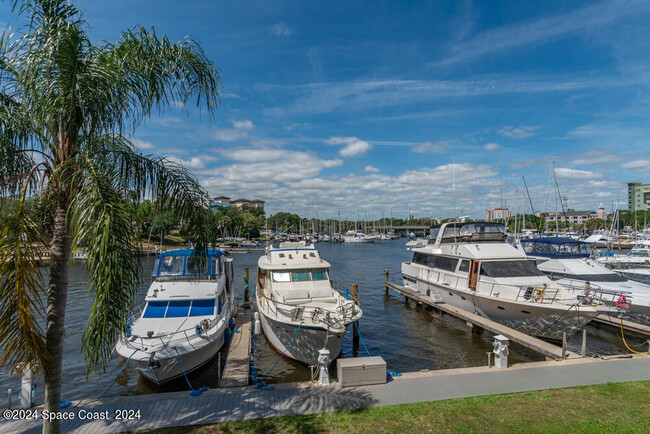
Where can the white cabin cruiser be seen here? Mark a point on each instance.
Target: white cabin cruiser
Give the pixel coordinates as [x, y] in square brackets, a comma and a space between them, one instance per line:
[470, 266]
[358, 237]
[568, 262]
[294, 290]
[187, 311]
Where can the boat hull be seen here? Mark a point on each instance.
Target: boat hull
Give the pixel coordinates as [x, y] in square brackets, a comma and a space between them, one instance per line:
[169, 368]
[306, 342]
[531, 318]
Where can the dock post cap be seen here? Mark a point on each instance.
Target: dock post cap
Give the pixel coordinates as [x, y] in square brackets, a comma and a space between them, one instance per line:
[501, 338]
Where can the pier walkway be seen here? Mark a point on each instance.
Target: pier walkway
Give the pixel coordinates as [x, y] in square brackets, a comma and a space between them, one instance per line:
[542, 347]
[221, 405]
[235, 372]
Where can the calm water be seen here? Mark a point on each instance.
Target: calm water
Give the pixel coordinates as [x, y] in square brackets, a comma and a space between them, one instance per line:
[409, 338]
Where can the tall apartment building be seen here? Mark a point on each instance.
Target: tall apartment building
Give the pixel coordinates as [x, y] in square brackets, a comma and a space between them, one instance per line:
[638, 196]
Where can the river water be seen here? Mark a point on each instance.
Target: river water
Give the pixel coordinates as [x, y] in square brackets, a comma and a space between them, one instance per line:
[408, 337]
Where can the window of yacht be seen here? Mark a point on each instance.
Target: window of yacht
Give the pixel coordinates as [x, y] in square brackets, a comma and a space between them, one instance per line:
[420, 258]
[464, 266]
[196, 265]
[155, 309]
[214, 266]
[509, 269]
[447, 264]
[300, 275]
[172, 265]
[281, 276]
[178, 309]
[320, 274]
[202, 307]
[156, 265]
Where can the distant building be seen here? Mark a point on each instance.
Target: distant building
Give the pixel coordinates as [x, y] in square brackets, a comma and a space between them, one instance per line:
[601, 212]
[497, 214]
[221, 199]
[638, 196]
[240, 202]
[575, 217]
[256, 203]
[224, 201]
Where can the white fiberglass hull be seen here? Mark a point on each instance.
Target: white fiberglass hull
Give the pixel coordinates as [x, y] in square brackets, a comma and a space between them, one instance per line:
[306, 342]
[534, 319]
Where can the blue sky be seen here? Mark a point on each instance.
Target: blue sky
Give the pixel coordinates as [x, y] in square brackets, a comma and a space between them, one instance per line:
[368, 107]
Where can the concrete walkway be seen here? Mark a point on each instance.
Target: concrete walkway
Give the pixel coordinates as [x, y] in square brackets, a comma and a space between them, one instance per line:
[220, 405]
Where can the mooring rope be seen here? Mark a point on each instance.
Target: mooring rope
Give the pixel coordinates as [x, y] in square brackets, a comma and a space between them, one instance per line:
[263, 386]
[194, 392]
[118, 375]
[391, 373]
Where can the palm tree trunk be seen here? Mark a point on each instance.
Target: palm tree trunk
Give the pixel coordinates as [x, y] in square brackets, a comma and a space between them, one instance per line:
[57, 295]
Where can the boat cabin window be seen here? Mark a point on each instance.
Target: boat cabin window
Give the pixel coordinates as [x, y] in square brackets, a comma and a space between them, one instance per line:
[509, 269]
[608, 277]
[172, 265]
[300, 275]
[421, 258]
[433, 233]
[179, 308]
[281, 276]
[320, 274]
[447, 264]
[464, 266]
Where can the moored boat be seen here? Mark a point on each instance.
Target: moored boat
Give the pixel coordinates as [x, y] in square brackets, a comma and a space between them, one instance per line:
[187, 311]
[470, 266]
[300, 311]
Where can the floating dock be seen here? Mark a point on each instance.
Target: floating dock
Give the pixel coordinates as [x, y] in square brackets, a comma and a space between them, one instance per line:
[627, 325]
[549, 350]
[235, 372]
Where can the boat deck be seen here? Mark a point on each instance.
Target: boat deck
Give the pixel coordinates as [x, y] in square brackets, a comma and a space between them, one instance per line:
[221, 405]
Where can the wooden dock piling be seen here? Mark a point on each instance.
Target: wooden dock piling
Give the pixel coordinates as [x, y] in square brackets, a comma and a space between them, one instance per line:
[549, 350]
[247, 292]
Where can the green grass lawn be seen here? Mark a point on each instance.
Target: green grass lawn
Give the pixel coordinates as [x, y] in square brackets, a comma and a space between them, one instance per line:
[619, 407]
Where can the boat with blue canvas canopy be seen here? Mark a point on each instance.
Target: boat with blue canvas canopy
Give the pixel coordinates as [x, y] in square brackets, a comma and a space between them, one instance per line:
[569, 262]
[186, 313]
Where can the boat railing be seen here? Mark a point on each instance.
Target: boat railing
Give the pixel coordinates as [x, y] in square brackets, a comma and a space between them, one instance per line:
[343, 314]
[525, 293]
[166, 339]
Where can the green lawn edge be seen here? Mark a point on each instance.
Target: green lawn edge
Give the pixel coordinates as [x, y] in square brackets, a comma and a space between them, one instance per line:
[612, 407]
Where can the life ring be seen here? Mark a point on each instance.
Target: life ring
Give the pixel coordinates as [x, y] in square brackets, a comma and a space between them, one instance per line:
[538, 295]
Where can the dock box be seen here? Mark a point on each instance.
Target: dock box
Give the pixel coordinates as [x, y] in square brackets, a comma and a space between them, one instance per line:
[361, 371]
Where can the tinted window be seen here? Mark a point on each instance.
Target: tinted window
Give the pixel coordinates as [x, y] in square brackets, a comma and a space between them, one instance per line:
[597, 277]
[319, 274]
[421, 258]
[447, 264]
[509, 269]
[300, 275]
[464, 266]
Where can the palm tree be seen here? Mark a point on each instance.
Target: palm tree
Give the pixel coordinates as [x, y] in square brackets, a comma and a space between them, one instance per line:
[64, 105]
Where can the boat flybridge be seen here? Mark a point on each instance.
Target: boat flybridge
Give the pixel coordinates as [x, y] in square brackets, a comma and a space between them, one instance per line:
[300, 311]
[187, 310]
[569, 263]
[470, 266]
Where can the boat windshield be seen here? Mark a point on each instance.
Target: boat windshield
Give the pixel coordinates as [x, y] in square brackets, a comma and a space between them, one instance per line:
[172, 265]
[639, 253]
[570, 249]
[510, 269]
[300, 275]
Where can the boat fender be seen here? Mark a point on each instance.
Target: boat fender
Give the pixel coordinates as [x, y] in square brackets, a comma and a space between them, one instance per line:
[198, 329]
[231, 324]
[127, 329]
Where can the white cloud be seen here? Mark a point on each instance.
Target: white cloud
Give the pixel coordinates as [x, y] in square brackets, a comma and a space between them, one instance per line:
[491, 146]
[141, 144]
[371, 169]
[296, 125]
[637, 165]
[197, 162]
[243, 125]
[439, 147]
[354, 147]
[228, 134]
[282, 29]
[517, 132]
[563, 172]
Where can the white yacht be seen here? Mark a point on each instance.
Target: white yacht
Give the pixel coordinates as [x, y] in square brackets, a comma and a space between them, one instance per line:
[358, 237]
[470, 266]
[294, 290]
[638, 257]
[187, 311]
[568, 262]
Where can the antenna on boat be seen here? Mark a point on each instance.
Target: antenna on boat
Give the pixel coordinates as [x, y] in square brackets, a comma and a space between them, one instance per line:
[453, 176]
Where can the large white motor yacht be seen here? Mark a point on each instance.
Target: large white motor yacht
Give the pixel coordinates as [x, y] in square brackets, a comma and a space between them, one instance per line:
[294, 290]
[187, 311]
[568, 262]
[470, 266]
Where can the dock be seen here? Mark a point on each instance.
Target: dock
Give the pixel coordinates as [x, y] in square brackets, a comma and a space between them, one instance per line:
[549, 350]
[236, 369]
[166, 410]
[630, 326]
